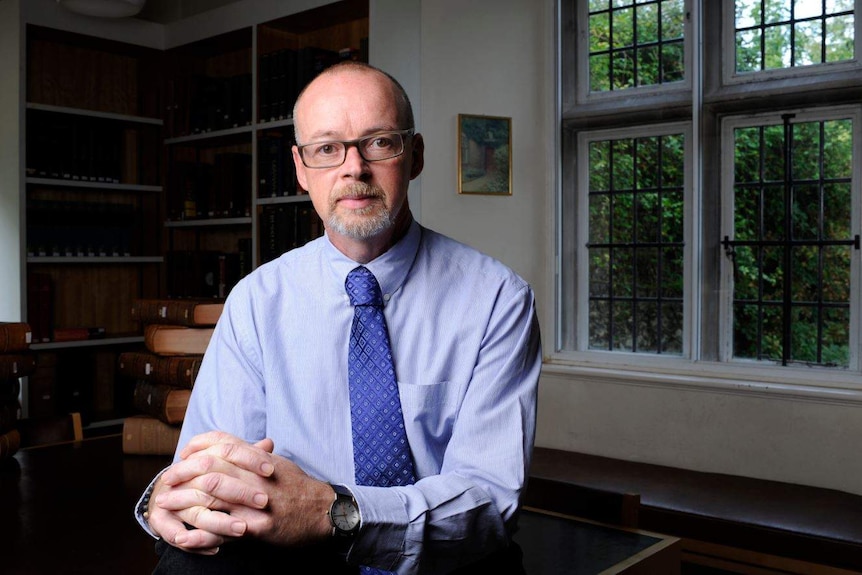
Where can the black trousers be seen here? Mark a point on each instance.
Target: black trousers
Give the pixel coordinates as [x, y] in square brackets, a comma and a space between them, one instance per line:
[253, 557]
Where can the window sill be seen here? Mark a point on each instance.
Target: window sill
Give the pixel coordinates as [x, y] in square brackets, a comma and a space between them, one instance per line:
[796, 384]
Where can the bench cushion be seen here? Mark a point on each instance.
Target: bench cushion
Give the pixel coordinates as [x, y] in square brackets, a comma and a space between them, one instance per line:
[802, 522]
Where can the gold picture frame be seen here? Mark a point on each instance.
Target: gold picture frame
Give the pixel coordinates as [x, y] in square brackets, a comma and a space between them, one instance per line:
[484, 155]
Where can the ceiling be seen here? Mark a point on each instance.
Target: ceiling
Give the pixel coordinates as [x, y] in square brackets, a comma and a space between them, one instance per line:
[166, 11]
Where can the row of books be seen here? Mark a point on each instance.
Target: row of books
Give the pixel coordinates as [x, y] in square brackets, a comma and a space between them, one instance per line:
[206, 274]
[201, 190]
[16, 361]
[77, 148]
[275, 169]
[200, 104]
[64, 74]
[76, 229]
[176, 335]
[284, 73]
[284, 227]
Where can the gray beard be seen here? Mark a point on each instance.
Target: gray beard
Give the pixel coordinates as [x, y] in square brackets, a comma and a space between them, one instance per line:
[372, 220]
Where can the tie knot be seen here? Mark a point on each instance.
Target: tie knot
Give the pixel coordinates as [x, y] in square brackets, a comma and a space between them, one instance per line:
[362, 287]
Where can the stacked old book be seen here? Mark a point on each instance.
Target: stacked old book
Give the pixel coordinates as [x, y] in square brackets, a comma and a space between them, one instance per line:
[16, 361]
[176, 335]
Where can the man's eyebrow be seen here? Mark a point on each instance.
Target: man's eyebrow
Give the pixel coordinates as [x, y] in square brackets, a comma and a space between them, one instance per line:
[333, 136]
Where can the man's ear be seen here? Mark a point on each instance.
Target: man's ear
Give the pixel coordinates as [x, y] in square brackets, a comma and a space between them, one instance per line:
[417, 160]
[300, 168]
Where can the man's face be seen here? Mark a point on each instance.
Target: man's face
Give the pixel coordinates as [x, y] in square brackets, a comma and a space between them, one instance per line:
[358, 199]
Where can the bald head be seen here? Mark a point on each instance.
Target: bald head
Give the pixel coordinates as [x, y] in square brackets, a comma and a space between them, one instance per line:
[399, 96]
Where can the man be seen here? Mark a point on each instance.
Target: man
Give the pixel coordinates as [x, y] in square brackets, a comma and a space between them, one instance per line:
[268, 431]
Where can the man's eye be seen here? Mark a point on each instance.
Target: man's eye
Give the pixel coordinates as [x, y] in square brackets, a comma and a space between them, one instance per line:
[380, 142]
[325, 150]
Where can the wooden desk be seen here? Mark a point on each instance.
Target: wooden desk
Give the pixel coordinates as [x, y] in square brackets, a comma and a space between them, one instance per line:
[555, 544]
[69, 509]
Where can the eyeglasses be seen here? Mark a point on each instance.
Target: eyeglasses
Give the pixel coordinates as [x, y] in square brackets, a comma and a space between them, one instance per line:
[373, 148]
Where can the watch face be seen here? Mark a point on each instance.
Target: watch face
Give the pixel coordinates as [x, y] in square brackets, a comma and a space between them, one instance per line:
[345, 515]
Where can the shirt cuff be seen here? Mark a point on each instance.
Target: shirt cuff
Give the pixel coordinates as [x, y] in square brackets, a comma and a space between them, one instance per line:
[143, 503]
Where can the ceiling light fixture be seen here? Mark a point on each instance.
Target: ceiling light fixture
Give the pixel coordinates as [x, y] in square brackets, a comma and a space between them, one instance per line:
[104, 8]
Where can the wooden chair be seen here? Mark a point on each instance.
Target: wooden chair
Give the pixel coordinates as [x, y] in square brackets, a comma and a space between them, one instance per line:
[40, 431]
[587, 502]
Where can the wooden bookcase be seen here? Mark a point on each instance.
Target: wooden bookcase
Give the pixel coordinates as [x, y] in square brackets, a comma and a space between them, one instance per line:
[290, 52]
[209, 156]
[93, 199]
[158, 173]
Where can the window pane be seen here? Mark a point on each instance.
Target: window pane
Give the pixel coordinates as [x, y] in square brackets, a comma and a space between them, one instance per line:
[791, 269]
[635, 251]
[806, 35]
[636, 43]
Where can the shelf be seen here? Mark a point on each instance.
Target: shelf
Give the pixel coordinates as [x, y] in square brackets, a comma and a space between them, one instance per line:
[283, 200]
[95, 114]
[120, 340]
[57, 182]
[214, 135]
[275, 124]
[205, 223]
[95, 259]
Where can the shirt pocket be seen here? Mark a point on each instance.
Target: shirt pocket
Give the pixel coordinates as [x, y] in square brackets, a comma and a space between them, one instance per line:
[431, 408]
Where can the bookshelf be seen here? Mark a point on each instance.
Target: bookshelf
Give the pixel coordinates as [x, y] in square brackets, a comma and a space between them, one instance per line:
[93, 197]
[156, 168]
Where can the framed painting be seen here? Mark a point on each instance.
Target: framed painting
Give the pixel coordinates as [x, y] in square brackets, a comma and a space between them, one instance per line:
[484, 155]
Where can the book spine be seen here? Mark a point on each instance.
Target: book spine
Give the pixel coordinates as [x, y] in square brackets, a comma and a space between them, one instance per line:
[15, 365]
[165, 403]
[10, 442]
[176, 371]
[14, 336]
[176, 340]
[144, 435]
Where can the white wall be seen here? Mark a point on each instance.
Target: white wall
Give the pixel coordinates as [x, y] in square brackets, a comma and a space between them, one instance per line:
[487, 57]
[11, 249]
[493, 57]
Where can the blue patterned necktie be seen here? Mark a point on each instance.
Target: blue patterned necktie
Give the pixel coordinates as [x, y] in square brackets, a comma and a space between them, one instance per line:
[381, 454]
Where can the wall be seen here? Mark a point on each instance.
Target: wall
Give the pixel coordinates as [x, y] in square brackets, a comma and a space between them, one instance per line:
[11, 240]
[488, 57]
[495, 57]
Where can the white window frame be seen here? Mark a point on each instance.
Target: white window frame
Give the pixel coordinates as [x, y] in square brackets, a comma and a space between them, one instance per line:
[731, 77]
[585, 138]
[710, 89]
[584, 95]
[728, 126]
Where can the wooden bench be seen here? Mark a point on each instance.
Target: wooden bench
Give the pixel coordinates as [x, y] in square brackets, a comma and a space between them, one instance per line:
[738, 524]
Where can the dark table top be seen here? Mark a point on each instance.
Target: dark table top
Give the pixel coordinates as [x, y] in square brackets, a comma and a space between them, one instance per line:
[69, 509]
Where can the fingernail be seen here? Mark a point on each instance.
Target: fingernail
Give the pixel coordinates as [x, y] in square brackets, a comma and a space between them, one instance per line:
[238, 527]
[260, 500]
[181, 538]
[267, 468]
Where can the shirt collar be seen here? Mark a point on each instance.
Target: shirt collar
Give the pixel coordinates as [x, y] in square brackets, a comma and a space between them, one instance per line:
[390, 268]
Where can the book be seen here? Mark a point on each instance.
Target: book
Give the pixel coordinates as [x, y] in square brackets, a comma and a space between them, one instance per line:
[167, 339]
[162, 401]
[15, 336]
[15, 365]
[188, 312]
[146, 435]
[10, 442]
[78, 333]
[175, 370]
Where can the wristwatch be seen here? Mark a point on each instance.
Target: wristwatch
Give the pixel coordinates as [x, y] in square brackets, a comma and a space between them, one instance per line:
[344, 513]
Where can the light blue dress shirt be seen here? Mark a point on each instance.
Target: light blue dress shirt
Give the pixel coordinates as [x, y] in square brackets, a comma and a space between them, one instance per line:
[467, 357]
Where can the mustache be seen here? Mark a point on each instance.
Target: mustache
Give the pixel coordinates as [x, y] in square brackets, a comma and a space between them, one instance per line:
[357, 190]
